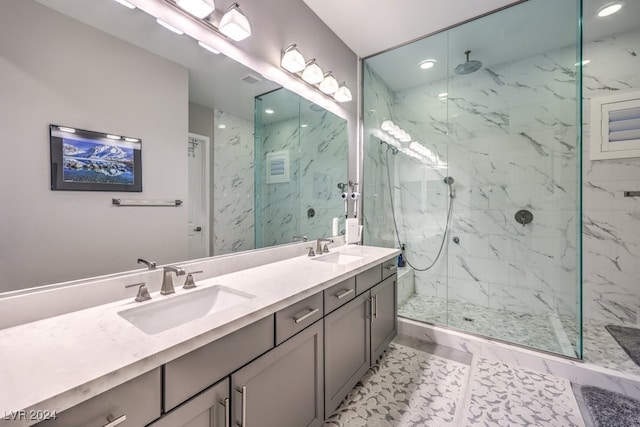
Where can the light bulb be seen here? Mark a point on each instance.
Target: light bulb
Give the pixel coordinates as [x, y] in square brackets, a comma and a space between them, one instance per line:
[292, 59]
[343, 94]
[234, 24]
[329, 84]
[312, 73]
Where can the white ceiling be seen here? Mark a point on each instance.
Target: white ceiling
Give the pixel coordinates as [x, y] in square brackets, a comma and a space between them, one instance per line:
[513, 33]
[371, 26]
[214, 80]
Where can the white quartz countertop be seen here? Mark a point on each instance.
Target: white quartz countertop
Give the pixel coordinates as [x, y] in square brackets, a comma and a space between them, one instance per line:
[58, 362]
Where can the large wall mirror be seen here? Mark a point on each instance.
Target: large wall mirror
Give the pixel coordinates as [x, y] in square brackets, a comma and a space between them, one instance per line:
[254, 164]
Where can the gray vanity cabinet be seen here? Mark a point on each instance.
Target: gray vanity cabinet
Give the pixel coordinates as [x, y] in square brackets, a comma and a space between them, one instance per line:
[346, 350]
[284, 387]
[384, 316]
[134, 403]
[210, 408]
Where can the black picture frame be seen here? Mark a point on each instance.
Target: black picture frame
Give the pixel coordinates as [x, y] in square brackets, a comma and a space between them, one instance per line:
[85, 160]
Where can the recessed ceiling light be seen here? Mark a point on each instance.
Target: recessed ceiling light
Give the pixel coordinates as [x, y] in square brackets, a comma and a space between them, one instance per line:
[169, 26]
[609, 9]
[269, 111]
[427, 63]
[209, 48]
[222, 126]
[125, 3]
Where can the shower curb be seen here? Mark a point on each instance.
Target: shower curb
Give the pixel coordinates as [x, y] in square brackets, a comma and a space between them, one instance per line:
[576, 371]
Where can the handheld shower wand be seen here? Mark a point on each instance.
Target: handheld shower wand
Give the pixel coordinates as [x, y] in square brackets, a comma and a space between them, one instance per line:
[449, 181]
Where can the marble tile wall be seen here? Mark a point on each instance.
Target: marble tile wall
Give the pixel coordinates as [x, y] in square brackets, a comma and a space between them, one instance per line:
[318, 162]
[233, 184]
[611, 229]
[507, 134]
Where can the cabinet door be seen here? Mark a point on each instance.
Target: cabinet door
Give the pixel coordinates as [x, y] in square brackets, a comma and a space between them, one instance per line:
[384, 315]
[211, 408]
[284, 387]
[346, 350]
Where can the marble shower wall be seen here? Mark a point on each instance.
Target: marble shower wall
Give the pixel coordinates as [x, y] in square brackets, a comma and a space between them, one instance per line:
[233, 196]
[507, 134]
[611, 237]
[318, 162]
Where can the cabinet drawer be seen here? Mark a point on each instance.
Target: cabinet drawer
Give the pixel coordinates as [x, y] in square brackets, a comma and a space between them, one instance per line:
[339, 294]
[368, 278]
[295, 318]
[136, 402]
[209, 408]
[389, 267]
[201, 368]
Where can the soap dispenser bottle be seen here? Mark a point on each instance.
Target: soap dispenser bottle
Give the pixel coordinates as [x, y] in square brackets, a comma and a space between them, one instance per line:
[401, 261]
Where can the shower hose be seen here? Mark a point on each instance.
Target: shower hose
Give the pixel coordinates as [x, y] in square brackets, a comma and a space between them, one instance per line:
[395, 223]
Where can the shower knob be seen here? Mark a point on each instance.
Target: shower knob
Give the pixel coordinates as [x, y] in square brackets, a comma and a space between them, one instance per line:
[456, 240]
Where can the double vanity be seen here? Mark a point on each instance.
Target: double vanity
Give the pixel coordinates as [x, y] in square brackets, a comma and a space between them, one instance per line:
[279, 344]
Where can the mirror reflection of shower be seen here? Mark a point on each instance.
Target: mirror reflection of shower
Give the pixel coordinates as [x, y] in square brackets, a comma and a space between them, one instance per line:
[448, 181]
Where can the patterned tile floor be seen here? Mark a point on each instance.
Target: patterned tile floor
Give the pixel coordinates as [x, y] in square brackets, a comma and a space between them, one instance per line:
[530, 330]
[533, 331]
[411, 387]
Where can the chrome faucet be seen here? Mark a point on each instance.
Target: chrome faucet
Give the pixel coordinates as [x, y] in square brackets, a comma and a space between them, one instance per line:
[167, 278]
[303, 238]
[320, 249]
[150, 264]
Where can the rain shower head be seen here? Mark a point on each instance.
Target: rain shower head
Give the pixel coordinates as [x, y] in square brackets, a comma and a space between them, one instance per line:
[449, 180]
[470, 66]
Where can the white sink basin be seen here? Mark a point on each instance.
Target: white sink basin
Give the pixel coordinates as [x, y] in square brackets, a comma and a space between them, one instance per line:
[177, 310]
[337, 258]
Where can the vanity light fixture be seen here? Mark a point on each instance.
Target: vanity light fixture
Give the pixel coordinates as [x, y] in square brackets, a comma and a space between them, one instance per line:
[209, 48]
[329, 84]
[386, 125]
[116, 137]
[198, 8]
[427, 64]
[169, 27]
[125, 3]
[312, 73]
[609, 9]
[66, 129]
[292, 60]
[234, 24]
[309, 71]
[343, 94]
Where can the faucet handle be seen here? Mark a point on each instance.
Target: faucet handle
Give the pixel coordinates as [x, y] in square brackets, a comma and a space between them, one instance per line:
[189, 283]
[150, 264]
[143, 292]
[311, 252]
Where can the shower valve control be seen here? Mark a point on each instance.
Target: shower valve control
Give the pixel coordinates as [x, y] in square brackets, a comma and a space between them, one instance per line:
[456, 240]
[524, 217]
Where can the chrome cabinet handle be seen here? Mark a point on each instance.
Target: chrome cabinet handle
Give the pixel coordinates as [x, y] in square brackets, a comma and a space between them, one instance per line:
[243, 419]
[344, 294]
[374, 300]
[391, 267]
[113, 421]
[227, 415]
[306, 316]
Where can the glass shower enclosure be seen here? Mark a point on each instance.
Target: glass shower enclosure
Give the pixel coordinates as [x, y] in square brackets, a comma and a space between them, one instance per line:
[472, 156]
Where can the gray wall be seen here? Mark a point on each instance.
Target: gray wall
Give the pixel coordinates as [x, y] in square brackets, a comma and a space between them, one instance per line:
[56, 70]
